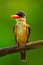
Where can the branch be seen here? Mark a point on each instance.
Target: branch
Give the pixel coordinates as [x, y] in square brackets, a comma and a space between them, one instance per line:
[14, 49]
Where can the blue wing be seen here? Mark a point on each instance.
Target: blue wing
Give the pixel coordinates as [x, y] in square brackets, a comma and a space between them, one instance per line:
[28, 29]
[14, 33]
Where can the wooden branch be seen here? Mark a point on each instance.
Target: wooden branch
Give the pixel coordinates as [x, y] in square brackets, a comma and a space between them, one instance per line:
[14, 49]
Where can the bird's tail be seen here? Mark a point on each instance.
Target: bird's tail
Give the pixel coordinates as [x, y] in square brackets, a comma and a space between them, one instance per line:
[23, 55]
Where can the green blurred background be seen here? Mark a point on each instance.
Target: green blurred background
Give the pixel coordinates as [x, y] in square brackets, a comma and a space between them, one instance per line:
[34, 14]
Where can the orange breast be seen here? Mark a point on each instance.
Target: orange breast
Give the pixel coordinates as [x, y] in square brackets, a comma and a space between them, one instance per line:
[21, 34]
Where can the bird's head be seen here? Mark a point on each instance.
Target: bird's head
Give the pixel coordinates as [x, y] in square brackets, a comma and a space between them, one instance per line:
[19, 17]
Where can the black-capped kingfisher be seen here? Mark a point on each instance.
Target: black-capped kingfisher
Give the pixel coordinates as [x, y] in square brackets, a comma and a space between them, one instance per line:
[21, 31]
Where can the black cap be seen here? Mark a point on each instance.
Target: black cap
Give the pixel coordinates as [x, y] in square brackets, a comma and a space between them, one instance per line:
[21, 14]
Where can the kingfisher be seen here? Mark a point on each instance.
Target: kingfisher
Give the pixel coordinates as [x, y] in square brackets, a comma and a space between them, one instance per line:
[21, 31]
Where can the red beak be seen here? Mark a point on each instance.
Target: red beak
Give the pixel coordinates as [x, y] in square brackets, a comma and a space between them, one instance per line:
[15, 16]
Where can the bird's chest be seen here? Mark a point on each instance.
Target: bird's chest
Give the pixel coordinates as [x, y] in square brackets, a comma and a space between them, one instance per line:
[21, 33]
[20, 29]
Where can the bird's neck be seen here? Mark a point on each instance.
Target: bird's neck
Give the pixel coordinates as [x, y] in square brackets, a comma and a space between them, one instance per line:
[24, 22]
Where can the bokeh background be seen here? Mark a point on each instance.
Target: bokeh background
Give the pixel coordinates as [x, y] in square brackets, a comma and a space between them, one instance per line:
[34, 15]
